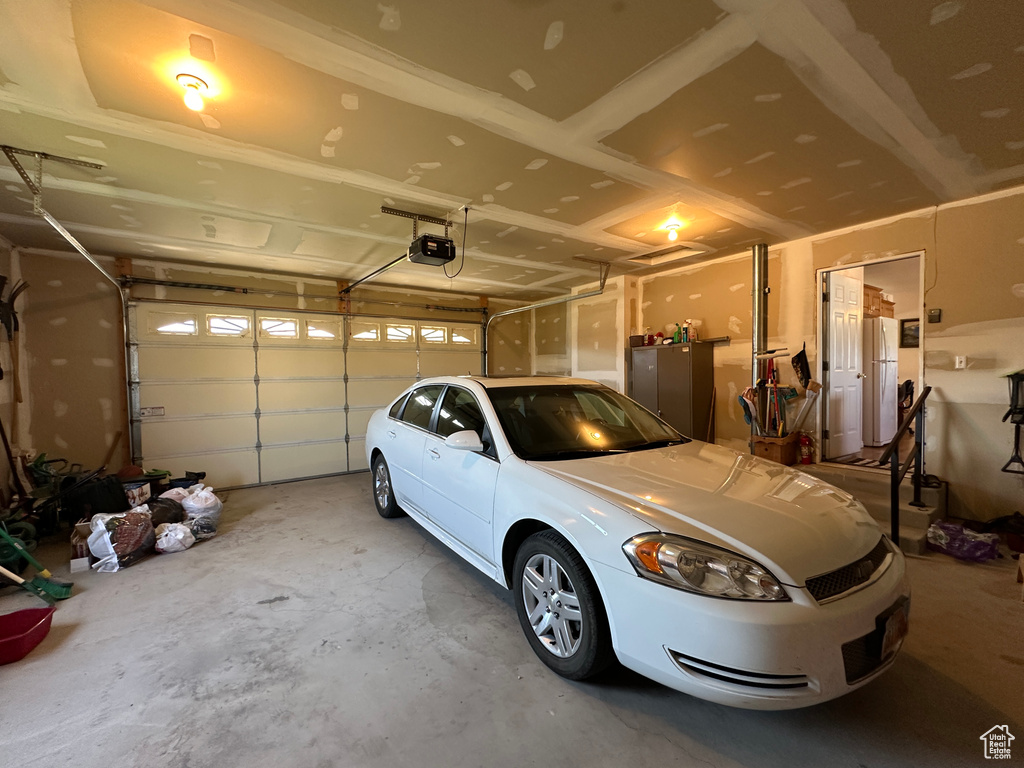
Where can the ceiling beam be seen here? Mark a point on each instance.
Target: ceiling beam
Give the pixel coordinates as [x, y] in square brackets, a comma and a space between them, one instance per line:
[843, 84]
[349, 58]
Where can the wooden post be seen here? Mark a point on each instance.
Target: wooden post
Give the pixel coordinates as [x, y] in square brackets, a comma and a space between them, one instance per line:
[344, 299]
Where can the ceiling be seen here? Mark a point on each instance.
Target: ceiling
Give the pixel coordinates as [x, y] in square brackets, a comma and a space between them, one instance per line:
[571, 130]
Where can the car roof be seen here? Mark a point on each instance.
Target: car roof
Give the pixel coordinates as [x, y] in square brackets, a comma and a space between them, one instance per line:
[495, 382]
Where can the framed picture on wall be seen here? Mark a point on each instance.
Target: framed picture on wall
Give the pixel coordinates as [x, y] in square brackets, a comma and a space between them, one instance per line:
[910, 332]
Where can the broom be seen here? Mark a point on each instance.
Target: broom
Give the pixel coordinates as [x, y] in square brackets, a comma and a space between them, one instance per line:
[40, 587]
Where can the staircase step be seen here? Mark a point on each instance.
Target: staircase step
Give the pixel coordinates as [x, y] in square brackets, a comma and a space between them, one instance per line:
[913, 540]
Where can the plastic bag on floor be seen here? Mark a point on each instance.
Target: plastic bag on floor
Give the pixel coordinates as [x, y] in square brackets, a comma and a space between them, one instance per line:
[955, 540]
[202, 528]
[120, 540]
[175, 494]
[202, 503]
[173, 537]
[163, 510]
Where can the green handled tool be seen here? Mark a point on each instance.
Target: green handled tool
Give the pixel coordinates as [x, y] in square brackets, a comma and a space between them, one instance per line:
[32, 586]
[19, 545]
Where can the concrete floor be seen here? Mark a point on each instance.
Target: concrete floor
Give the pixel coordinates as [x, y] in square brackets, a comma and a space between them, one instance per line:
[313, 633]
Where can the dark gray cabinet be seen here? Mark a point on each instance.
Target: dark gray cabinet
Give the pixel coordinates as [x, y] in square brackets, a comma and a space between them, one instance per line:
[677, 382]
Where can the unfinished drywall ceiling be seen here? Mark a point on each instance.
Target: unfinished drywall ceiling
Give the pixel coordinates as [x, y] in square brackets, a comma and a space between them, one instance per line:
[570, 130]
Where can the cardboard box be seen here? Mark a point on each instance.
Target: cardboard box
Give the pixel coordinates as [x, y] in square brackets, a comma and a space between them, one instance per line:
[784, 450]
[81, 557]
[137, 491]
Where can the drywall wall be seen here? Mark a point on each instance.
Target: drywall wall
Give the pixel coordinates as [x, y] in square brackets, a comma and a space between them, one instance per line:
[551, 340]
[72, 342]
[976, 277]
[508, 343]
[716, 297]
[973, 272]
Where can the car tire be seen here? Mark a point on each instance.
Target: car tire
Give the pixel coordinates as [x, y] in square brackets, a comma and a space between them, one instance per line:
[559, 607]
[383, 491]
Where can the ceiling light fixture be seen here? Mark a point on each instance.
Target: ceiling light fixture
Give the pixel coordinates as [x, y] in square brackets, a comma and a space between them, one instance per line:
[195, 89]
[673, 234]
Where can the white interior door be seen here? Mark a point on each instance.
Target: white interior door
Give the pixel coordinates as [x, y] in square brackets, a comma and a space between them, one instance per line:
[846, 376]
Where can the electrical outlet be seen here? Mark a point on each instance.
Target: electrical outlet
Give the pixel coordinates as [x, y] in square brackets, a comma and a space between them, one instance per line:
[960, 361]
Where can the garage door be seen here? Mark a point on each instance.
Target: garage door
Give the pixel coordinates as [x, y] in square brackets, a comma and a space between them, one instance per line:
[259, 396]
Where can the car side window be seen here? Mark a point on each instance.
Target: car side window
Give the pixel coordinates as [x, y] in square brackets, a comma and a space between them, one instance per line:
[460, 411]
[397, 407]
[420, 405]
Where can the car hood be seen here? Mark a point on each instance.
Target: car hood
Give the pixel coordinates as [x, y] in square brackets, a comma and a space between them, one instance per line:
[792, 523]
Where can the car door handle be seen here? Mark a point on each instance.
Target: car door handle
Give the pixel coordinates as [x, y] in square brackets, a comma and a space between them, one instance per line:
[391, 434]
[434, 454]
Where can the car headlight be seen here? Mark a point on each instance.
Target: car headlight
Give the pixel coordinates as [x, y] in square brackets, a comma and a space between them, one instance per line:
[701, 568]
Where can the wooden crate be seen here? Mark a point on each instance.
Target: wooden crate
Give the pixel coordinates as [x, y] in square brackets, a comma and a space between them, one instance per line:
[784, 450]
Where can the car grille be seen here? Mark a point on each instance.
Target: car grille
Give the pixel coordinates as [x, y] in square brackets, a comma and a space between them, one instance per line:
[863, 656]
[830, 585]
[739, 677]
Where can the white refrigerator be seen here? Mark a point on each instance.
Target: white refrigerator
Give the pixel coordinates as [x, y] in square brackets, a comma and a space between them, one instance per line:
[881, 356]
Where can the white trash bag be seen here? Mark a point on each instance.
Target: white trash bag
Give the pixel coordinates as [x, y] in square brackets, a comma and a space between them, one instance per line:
[175, 494]
[202, 503]
[173, 537]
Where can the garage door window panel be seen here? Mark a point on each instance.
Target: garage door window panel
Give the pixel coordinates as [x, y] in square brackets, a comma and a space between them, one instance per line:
[173, 324]
[463, 335]
[323, 330]
[279, 328]
[364, 331]
[433, 334]
[403, 334]
[227, 325]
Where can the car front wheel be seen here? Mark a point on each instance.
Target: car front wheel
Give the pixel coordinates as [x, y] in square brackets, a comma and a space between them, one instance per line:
[559, 607]
[383, 492]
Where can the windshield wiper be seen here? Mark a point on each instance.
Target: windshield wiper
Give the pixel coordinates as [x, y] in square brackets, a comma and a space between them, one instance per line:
[576, 453]
[663, 443]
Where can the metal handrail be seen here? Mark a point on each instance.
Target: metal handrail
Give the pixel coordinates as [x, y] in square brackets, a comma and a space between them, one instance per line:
[894, 443]
[891, 455]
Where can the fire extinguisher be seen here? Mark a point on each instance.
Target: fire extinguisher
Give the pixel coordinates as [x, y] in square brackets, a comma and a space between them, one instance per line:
[806, 448]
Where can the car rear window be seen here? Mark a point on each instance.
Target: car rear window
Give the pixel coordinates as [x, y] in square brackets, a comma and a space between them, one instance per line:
[420, 405]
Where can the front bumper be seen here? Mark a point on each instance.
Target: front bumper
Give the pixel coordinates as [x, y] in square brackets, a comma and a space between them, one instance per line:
[755, 655]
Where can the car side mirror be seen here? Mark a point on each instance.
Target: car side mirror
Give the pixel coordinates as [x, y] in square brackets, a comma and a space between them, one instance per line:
[466, 440]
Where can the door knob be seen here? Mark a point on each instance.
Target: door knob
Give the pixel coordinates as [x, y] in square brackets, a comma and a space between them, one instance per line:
[862, 375]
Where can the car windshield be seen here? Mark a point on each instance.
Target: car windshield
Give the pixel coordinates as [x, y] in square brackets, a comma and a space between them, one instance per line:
[559, 422]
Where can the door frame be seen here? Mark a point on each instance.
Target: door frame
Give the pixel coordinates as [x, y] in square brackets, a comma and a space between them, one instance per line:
[821, 410]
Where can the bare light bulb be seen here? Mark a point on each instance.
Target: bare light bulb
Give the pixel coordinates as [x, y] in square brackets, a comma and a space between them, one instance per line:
[673, 235]
[195, 88]
[193, 99]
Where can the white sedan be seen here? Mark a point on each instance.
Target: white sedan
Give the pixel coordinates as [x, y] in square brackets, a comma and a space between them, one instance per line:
[719, 574]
